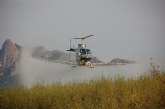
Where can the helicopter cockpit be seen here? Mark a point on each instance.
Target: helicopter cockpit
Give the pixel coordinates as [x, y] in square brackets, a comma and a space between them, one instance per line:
[85, 51]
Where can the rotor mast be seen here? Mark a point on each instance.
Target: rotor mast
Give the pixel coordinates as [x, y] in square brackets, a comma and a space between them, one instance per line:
[82, 44]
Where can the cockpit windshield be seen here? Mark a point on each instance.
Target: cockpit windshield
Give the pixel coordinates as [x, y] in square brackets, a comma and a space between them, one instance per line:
[88, 51]
[85, 51]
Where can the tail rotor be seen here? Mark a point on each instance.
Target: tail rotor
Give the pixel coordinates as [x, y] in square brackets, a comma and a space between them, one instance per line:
[70, 49]
[70, 46]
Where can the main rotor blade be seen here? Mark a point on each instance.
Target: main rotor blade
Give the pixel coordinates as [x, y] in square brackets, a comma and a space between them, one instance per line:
[77, 38]
[83, 37]
[88, 36]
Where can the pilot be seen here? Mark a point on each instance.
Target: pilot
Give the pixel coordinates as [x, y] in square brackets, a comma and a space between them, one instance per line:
[82, 51]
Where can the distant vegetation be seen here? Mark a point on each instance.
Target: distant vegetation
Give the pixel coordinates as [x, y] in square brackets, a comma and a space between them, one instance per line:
[144, 92]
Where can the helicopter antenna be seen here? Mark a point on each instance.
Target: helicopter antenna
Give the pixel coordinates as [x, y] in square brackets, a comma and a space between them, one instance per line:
[70, 42]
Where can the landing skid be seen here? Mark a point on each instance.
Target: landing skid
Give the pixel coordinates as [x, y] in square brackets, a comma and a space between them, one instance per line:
[74, 66]
[89, 64]
[82, 66]
[86, 65]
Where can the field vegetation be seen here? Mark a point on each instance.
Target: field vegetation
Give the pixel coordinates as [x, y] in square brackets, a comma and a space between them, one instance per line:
[144, 92]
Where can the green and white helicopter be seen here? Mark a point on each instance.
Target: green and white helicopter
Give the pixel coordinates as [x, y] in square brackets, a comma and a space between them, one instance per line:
[83, 54]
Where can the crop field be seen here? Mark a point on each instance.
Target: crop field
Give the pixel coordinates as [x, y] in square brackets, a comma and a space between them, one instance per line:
[144, 92]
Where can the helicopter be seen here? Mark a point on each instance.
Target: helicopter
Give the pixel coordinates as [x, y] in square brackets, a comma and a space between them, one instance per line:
[83, 54]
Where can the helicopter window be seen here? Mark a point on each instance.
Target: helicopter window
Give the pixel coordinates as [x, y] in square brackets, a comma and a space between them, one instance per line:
[82, 51]
[88, 51]
[85, 51]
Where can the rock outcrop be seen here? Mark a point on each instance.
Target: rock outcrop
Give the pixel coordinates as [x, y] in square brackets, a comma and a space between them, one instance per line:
[0, 62]
[118, 61]
[10, 54]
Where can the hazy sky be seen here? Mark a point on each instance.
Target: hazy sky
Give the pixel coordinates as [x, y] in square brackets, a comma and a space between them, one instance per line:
[131, 29]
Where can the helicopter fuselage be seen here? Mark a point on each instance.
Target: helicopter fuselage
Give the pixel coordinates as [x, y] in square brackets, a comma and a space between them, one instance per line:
[83, 54]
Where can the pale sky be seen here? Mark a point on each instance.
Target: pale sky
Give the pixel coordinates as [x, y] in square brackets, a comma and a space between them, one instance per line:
[130, 29]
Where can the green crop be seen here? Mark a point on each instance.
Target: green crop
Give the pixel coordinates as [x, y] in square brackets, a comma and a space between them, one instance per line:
[144, 92]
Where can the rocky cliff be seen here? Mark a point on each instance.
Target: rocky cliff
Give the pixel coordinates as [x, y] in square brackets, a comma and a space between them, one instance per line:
[0, 62]
[9, 57]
